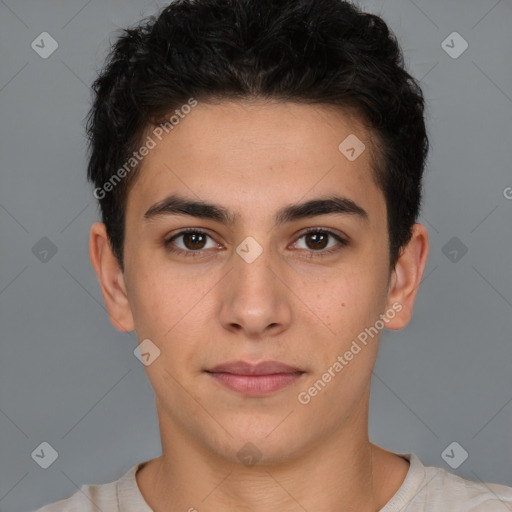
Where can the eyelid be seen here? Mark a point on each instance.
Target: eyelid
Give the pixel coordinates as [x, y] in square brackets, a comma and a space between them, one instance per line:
[339, 235]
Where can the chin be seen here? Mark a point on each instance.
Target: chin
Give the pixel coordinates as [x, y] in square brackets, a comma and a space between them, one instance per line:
[255, 446]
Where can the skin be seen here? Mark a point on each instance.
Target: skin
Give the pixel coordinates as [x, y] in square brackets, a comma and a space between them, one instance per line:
[289, 305]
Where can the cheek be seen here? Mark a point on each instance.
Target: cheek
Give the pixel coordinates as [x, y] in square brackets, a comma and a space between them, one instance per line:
[156, 292]
[171, 309]
[151, 300]
[355, 295]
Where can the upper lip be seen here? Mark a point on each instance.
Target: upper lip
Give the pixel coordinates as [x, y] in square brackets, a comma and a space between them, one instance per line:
[262, 368]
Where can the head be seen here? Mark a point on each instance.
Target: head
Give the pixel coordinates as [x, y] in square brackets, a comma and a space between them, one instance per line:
[316, 53]
[241, 110]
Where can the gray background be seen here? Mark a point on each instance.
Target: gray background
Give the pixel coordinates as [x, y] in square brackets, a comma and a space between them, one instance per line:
[67, 377]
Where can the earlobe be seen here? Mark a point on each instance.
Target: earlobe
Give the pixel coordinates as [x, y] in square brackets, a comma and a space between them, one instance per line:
[406, 277]
[111, 278]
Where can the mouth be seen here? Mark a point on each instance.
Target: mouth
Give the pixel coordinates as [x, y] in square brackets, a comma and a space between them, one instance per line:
[255, 379]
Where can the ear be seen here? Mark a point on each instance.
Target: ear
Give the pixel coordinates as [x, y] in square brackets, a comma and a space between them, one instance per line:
[406, 277]
[111, 278]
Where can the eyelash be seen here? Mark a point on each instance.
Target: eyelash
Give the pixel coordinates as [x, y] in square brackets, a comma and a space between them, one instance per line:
[199, 253]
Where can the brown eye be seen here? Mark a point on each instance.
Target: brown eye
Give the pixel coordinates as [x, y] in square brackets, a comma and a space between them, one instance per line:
[194, 240]
[319, 241]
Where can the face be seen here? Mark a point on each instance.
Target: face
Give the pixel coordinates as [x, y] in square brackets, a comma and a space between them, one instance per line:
[287, 263]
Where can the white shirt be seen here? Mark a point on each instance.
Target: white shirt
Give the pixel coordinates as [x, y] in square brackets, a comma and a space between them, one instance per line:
[424, 489]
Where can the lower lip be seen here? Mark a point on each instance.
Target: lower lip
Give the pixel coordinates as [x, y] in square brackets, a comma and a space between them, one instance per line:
[256, 385]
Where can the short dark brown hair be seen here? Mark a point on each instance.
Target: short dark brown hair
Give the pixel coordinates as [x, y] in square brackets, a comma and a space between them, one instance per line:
[309, 51]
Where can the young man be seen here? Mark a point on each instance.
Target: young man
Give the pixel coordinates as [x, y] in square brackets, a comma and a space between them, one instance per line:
[258, 165]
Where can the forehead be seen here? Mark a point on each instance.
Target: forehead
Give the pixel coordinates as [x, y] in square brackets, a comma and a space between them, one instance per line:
[258, 153]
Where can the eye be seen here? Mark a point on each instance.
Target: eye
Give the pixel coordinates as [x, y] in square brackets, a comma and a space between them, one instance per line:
[317, 241]
[193, 242]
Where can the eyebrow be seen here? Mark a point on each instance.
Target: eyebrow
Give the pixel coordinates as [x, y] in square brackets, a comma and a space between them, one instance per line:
[178, 205]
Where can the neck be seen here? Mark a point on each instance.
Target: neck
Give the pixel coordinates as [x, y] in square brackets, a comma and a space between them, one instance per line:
[344, 472]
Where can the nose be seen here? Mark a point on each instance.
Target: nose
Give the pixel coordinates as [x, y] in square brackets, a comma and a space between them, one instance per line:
[255, 299]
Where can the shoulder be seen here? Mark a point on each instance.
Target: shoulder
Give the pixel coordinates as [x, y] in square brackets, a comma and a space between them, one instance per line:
[87, 499]
[448, 489]
[91, 498]
[433, 489]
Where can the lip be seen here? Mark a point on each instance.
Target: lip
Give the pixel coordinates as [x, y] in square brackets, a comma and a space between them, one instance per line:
[262, 368]
[255, 379]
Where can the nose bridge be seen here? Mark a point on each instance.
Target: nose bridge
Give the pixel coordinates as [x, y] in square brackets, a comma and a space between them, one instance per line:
[252, 270]
[254, 298]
